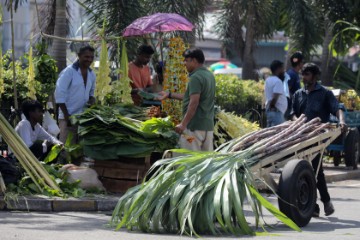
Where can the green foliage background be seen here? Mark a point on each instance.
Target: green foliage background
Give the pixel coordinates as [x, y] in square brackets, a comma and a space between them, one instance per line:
[237, 95]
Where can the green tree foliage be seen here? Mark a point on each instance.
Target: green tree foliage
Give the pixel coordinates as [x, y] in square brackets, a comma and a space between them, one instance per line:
[235, 95]
[241, 24]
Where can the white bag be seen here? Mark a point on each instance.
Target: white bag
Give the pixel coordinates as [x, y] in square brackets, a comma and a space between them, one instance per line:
[49, 124]
[88, 177]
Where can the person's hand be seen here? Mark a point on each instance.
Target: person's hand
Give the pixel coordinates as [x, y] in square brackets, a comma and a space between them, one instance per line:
[180, 128]
[162, 95]
[343, 127]
[91, 101]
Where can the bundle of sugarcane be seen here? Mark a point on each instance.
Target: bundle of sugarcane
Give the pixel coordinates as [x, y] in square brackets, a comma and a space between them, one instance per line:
[205, 192]
[28, 161]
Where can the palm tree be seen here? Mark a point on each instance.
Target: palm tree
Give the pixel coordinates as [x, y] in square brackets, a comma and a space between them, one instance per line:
[58, 45]
[12, 5]
[241, 24]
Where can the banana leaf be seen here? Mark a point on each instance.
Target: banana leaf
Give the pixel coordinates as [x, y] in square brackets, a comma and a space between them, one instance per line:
[106, 134]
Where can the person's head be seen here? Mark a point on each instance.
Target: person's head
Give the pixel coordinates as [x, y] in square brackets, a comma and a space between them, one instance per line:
[277, 69]
[297, 60]
[310, 73]
[193, 59]
[33, 110]
[144, 54]
[86, 56]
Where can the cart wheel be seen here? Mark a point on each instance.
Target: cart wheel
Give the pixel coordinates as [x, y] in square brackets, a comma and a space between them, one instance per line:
[297, 191]
[352, 148]
[337, 158]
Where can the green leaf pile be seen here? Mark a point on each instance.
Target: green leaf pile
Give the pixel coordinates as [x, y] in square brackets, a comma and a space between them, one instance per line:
[106, 134]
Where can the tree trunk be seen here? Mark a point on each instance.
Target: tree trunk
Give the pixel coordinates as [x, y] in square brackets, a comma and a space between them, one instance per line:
[16, 105]
[326, 76]
[59, 46]
[248, 60]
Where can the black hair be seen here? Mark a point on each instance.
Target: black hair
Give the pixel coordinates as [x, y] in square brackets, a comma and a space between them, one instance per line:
[85, 48]
[311, 68]
[275, 65]
[145, 49]
[296, 58]
[196, 53]
[30, 106]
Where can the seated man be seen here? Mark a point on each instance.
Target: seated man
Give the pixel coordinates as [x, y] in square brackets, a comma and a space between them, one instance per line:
[32, 133]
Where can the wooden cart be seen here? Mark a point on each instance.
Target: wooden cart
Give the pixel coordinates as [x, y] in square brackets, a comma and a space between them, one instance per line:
[297, 184]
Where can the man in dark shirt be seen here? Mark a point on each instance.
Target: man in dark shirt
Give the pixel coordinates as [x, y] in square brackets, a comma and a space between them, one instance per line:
[316, 101]
[297, 63]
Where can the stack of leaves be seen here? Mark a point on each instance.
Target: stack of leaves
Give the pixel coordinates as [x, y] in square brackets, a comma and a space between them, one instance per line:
[206, 192]
[106, 134]
[175, 78]
[26, 186]
[229, 126]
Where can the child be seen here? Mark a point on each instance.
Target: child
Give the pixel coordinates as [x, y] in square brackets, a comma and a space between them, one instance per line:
[32, 133]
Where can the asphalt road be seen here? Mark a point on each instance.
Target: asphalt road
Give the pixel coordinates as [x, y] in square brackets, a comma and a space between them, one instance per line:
[343, 224]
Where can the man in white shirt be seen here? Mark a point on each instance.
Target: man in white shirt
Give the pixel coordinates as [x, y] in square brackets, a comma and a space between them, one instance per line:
[276, 102]
[32, 133]
[74, 89]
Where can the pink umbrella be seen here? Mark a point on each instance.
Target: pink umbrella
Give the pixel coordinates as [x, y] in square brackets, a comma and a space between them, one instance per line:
[159, 22]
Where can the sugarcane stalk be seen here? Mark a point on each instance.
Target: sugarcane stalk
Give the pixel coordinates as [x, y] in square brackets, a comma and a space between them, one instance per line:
[25, 156]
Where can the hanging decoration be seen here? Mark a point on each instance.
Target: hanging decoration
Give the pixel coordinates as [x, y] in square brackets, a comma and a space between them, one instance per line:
[31, 77]
[103, 76]
[121, 89]
[175, 78]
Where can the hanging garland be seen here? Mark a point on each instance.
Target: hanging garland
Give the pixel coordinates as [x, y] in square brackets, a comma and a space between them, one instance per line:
[31, 77]
[175, 77]
[103, 76]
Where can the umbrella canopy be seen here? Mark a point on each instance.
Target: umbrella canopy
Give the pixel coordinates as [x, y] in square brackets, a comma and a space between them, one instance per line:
[222, 65]
[159, 22]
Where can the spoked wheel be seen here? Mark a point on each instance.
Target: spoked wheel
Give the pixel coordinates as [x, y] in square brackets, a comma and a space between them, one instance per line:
[297, 191]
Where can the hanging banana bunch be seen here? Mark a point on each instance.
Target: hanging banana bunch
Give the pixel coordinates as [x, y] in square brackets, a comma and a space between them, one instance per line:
[31, 77]
[175, 77]
[103, 76]
[121, 89]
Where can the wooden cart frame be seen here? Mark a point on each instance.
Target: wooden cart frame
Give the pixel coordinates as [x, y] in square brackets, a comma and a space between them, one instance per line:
[297, 185]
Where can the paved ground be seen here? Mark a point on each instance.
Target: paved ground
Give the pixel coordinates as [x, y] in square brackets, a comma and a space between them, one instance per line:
[344, 224]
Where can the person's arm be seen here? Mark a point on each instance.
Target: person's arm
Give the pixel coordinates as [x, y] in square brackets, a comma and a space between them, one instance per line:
[190, 113]
[92, 91]
[24, 131]
[171, 95]
[44, 135]
[274, 99]
[61, 91]
[277, 91]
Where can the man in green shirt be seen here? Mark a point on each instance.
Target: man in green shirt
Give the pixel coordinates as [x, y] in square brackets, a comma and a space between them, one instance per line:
[197, 125]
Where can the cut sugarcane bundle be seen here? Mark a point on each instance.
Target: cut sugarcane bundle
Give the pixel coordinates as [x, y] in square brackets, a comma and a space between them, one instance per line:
[28, 161]
[205, 192]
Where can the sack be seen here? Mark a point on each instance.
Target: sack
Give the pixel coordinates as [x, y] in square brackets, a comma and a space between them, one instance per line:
[88, 177]
[9, 170]
[49, 124]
